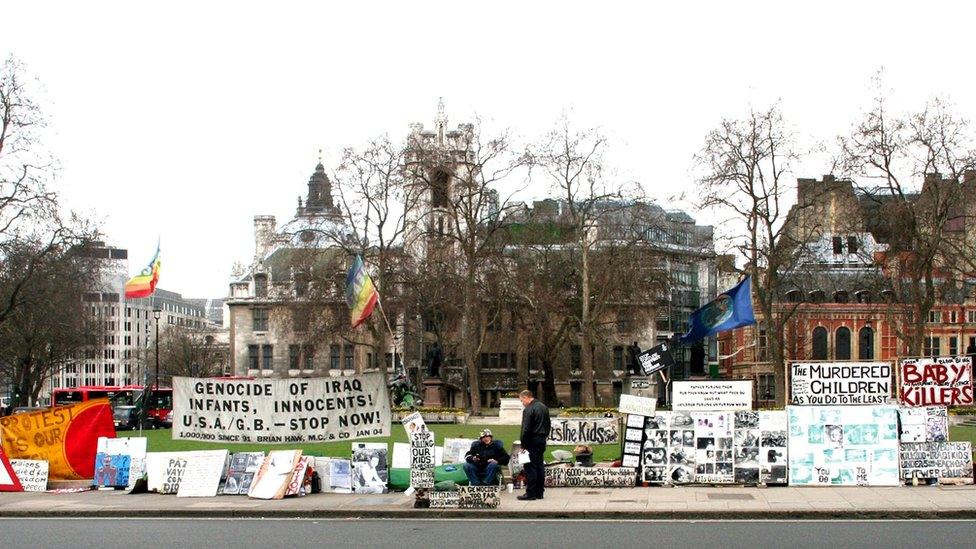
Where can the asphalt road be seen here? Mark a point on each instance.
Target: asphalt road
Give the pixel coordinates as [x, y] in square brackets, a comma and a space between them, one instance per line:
[241, 533]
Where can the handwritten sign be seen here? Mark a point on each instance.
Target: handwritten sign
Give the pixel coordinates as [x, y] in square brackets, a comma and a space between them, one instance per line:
[619, 477]
[584, 431]
[711, 395]
[940, 381]
[642, 406]
[840, 383]
[32, 474]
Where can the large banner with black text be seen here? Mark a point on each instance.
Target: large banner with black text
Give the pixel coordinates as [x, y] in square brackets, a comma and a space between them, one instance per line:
[275, 411]
[840, 383]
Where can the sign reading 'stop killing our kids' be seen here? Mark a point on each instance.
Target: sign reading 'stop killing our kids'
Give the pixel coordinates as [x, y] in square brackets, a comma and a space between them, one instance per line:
[277, 411]
[840, 383]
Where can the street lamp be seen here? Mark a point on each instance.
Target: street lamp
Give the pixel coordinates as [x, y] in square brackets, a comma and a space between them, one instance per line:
[156, 313]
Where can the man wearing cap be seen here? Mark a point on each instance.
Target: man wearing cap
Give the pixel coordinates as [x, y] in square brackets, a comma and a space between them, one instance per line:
[484, 459]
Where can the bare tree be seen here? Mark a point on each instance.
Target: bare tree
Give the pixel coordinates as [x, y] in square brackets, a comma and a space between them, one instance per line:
[51, 325]
[929, 252]
[464, 180]
[745, 167]
[189, 352]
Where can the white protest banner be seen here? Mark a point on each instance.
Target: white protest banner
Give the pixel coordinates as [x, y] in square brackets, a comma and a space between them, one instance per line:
[478, 497]
[711, 395]
[760, 447]
[923, 424]
[422, 459]
[641, 406]
[278, 411]
[843, 445]
[939, 381]
[584, 431]
[456, 448]
[937, 460]
[164, 471]
[606, 477]
[401, 455]
[840, 383]
[201, 478]
[275, 473]
[32, 474]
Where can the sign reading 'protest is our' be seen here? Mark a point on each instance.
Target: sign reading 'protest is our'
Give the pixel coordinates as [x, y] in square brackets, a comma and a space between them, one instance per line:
[843, 383]
[280, 410]
[939, 381]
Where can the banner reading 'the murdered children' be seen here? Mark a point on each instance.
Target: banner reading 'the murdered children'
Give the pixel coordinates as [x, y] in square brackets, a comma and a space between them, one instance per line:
[843, 445]
[280, 410]
[840, 383]
[939, 381]
[584, 431]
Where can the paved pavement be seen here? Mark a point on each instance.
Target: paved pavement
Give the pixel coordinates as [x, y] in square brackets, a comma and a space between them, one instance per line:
[687, 502]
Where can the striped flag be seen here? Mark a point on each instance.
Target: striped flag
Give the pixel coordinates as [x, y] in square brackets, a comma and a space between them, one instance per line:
[144, 283]
[361, 294]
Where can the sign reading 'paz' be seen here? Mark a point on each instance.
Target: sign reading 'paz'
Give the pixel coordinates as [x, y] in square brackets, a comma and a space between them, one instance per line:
[66, 437]
[278, 411]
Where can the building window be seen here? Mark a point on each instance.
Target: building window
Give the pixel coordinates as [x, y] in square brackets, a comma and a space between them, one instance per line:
[618, 358]
[299, 320]
[865, 344]
[933, 317]
[261, 285]
[260, 317]
[333, 357]
[349, 356]
[841, 296]
[252, 357]
[971, 316]
[308, 356]
[932, 346]
[267, 354]
[575, 393]
[842, 344]
[838, 245]
[623, 323]
[301, 284]
[439, 190]
[794, 296]
[294, 356]
[767, 387]
[575, 361]
[953, 346]
[852, 244]
[952, 317]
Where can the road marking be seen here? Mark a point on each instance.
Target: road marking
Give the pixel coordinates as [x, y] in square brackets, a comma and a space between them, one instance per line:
[316, 520]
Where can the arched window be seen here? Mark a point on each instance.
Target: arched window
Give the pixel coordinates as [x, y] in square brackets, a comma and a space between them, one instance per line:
[819, 343]
[863, 296]
[865, 344]
[842, 344]
[794, 296]
[840, 296]
[817, 296]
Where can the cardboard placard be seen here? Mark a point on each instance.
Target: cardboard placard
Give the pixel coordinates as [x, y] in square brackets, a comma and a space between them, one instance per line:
[32, 474]
[201, 477]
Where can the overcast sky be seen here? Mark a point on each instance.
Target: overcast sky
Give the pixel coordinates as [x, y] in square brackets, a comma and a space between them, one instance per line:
[186, 119]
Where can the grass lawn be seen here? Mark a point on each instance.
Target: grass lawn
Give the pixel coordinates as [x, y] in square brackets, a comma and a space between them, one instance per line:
[160, 440]
[959, 433]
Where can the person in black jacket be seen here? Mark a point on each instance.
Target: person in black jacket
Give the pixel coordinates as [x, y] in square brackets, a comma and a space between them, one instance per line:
[484, 460]
[535, 432]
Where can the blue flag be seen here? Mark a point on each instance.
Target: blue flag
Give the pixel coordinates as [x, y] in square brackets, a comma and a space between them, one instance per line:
[729, 310]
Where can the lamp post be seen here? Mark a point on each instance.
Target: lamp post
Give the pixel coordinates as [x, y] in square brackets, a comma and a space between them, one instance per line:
[156, 313]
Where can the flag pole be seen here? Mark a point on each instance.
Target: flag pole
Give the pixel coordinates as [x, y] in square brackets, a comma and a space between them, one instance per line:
[379, 303]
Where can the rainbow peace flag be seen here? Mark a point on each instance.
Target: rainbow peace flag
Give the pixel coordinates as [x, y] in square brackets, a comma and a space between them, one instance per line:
[361, 294]
[144, 283]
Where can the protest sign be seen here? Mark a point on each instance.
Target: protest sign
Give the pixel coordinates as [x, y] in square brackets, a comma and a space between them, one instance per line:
[370, 467]
[939, 381]
[843, 445]
[32, 474]
[119, 462]
[584, 431]
[656, 359]
[923, 424]
[944, 461]
[401, 455]
[335, 474]
[65, 436]
[466, 497]
[642, 406]
[201, 476]
[840, 383]
[240, 473]
[275, 473]
[413, 423]
[164, 471]
[422, 459]
[760, 447]
[456, 448]
[301, 480]
[8, 479]
[713, 447]
[711, 395]
[275, 411]
[605, 477]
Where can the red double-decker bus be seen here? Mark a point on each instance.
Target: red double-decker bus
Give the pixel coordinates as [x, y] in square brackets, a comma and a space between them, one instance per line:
[161, 401]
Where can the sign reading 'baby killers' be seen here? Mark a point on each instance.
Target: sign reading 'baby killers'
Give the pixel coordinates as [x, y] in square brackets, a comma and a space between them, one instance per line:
[276, 411]
[584, 431]
[840, 383]
[939, 381]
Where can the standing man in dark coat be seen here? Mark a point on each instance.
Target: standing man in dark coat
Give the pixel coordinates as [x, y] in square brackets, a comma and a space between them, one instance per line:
[535, 431]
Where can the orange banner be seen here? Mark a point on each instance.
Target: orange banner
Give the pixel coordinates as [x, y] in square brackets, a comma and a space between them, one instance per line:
[66, 436]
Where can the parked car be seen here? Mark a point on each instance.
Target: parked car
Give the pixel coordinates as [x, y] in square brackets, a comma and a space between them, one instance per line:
[25, 409]
[126, 417]
[167, 421]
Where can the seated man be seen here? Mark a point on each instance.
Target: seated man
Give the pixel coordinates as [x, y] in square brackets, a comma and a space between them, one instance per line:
[484, 459]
